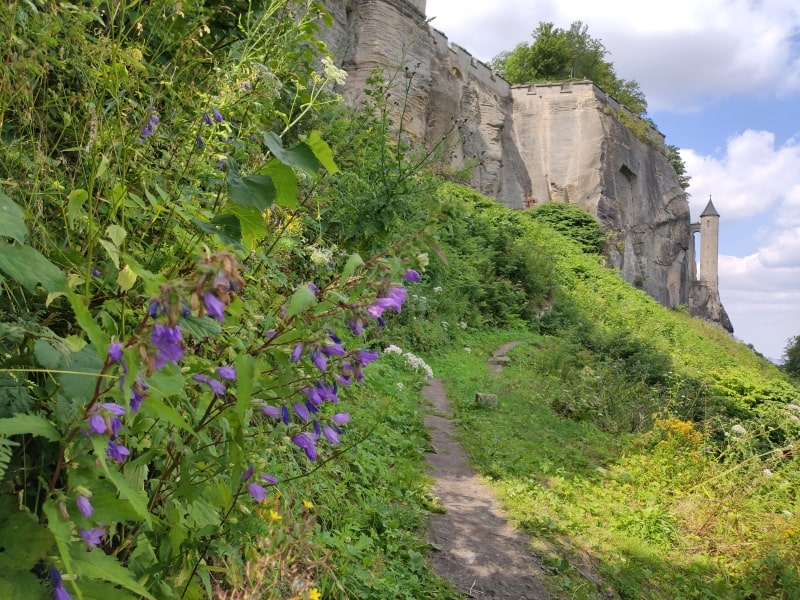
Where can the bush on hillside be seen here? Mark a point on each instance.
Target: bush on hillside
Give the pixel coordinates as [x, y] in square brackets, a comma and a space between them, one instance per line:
[573, 221]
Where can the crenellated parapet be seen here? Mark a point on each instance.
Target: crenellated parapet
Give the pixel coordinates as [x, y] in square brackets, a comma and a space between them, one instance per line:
[465, 66]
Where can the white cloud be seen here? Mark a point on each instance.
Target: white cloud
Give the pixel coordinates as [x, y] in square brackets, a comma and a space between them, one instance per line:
[752, 177]
[683, 53]
[762, 300]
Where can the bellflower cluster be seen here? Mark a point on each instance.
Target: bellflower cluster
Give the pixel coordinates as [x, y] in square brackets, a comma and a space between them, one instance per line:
[256, 491]
[393, 300]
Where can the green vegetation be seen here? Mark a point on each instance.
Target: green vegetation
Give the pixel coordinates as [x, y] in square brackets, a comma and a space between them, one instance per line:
[202, 262]
[558, 54]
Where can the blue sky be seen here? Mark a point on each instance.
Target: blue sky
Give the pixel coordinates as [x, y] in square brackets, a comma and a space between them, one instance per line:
[722, 80]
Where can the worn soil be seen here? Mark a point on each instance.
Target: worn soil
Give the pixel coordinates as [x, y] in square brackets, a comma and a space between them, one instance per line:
[475, 548]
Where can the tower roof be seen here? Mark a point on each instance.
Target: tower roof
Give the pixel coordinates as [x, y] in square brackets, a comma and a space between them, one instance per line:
[709, 210]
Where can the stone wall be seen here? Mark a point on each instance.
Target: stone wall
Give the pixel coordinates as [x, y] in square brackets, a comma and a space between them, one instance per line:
[528, 144]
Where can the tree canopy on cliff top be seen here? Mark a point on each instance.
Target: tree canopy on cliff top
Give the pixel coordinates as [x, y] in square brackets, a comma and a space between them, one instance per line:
[567, 54]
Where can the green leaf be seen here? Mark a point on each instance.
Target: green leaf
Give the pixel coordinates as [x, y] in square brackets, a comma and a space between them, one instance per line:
[201, 327]
[84, 367]
[30, 424]
[353, 262]
[302, 298]
[300, 157]
[226, 227]
[95, 333]
[322, 151]
[12, 220]
[30, 268]
[25, 541]
[285, 181]
[116, 234]
[48, 356]
[160, 411]
[60, 530]
[112, 250]
[16, 585]
[137, 498]
[126, 278]
[252, 223]
[252, 191]
[99, 565]
[75, 202]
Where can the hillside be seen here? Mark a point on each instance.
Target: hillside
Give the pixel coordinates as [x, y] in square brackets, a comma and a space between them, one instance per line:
[219, 289]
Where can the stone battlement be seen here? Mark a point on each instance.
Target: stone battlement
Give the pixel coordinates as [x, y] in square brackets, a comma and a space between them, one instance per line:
[465, 66]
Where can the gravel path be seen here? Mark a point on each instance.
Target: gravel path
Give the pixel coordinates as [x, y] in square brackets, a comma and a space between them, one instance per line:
[475, 547]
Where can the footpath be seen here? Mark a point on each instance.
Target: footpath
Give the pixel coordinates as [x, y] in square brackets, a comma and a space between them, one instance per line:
[475, 548]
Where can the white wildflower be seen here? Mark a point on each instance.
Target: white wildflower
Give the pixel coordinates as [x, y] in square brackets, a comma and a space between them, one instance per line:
[400, 385]
[416, 363]
[467, 349]
[423, 260]
[392, 349]
[332, 72]
[463, 324]
[437, 289]
[445, 324]
[767, 473]
[738, 430]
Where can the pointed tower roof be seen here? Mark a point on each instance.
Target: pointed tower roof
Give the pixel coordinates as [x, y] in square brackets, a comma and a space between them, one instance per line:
[709, 210]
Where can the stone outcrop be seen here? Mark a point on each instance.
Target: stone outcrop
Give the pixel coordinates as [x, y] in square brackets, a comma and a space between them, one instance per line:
[525, 145]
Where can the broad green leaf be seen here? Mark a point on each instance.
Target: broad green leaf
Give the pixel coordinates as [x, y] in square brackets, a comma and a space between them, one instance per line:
[137, 498]
[60, 530]
[161, 411]
[226, 227]
[12, 220]
[75, 202]
[48, 356]
[353, 262]
[116, 234]
[17, 585]
[285, 180]
[99, 565]
[302, 298]
[322, 151]
[201, 327]
[300, 157]
[83, 368]
[30, 424]
[112, 250]
[30, 268]
[252, 191]
[95, 333]
[252, 223]
[24, 541]
[126, 278]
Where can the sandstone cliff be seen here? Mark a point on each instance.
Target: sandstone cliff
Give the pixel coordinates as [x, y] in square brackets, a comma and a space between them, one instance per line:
[531, 144]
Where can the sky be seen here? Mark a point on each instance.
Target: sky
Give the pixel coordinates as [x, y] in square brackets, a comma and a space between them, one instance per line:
[722, 81]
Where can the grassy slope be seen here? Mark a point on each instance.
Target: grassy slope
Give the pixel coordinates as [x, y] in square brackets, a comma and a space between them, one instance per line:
[674, 509]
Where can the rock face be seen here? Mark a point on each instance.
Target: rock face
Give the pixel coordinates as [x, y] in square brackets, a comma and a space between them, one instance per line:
[525, 145]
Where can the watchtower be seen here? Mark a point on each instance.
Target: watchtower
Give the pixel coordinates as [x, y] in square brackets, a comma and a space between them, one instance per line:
[709, 244]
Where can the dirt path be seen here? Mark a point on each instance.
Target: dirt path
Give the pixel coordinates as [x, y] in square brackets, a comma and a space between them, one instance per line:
[475, 548]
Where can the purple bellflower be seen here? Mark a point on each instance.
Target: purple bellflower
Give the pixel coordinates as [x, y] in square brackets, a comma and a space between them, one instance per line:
[214, 306]
[83, 504]
[257, 492]
[216, 386]
[412, 276]
[93, 537]
[169, 344]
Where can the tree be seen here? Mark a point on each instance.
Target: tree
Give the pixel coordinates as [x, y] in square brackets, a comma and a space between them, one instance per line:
[791, 356]
[675, 159]
[558, 54]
